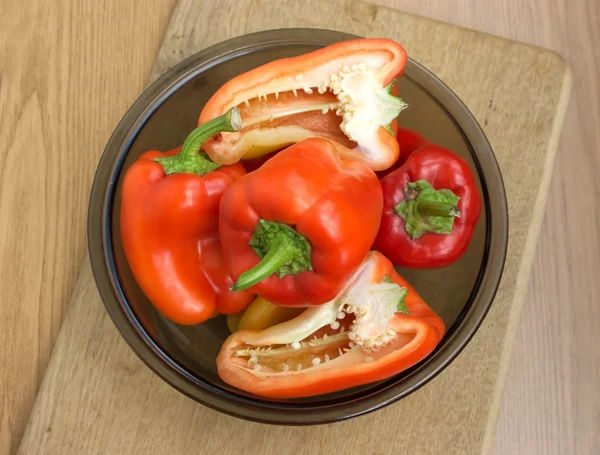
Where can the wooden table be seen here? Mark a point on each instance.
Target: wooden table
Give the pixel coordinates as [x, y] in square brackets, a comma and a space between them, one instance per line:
[61, 61]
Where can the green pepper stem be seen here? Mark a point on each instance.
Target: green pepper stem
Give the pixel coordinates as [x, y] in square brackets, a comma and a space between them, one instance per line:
[282, 251]
[230, 121]
[433, 208]
[425, 209]
[190, 159]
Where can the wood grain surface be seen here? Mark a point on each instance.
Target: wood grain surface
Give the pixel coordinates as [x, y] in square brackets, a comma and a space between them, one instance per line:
[473, 64]
[551, 403]
[68, 71]
[58, 62]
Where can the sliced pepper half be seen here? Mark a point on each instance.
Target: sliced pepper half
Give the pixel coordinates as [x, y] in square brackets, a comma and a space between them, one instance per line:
[343, 91]
[377, 327]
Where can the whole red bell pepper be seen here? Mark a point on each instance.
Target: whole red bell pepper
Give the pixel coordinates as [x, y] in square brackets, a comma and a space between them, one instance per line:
[378, 326]
[431, 209]
[169, 215]
[345, 92]
[294, 230]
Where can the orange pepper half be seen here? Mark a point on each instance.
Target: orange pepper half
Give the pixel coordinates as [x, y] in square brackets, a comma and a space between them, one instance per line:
[378, 326]
[344, 92]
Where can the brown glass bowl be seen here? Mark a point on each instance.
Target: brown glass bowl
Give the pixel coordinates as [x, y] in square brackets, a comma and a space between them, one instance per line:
[185, 356]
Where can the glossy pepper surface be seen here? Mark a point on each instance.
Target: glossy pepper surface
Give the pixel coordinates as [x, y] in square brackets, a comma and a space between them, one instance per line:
[169, 217]
[378, 326]
[345, 92]
[431, 209]
[295, 229]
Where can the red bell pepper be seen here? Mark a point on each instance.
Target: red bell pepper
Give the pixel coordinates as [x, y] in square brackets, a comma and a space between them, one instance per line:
[378, 326]
[431, 209]
[296, 228]
[169, 216]
[344, 92]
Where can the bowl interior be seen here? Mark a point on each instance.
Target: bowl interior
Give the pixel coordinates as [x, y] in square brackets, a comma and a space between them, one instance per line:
[447, 290]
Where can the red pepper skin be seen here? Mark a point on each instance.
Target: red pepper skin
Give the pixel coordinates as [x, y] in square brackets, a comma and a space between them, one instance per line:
[409, 142]
[418, 334]
[336, 205]
[170, 237]
[443, 169]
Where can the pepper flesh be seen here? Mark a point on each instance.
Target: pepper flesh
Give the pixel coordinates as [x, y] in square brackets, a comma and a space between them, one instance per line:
[344, 92]
[314, 354]
[170, 235]
[316, 204]
[428, 239]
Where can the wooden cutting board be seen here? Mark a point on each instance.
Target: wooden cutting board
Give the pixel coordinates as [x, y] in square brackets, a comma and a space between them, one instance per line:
[98, 397]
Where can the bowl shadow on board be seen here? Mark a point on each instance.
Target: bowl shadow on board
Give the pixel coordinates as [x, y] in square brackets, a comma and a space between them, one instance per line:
[449, 291]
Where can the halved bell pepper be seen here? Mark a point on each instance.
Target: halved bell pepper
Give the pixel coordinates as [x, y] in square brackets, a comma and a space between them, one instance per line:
[378, 326]
[169, 216]
[431, 209]
[344, 92]
[295, 229]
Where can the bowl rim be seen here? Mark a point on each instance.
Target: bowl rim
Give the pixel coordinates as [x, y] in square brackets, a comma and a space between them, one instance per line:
[130, 328]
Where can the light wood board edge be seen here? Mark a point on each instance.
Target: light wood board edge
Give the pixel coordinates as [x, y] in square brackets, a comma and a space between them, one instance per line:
[527, 258]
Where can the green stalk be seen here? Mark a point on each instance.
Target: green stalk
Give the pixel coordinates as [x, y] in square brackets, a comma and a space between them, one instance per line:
[433, 208]
[190, 159]
[425, 209]
[282, 251]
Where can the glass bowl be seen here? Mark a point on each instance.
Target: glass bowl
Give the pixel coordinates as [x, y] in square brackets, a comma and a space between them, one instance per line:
[185, 356]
